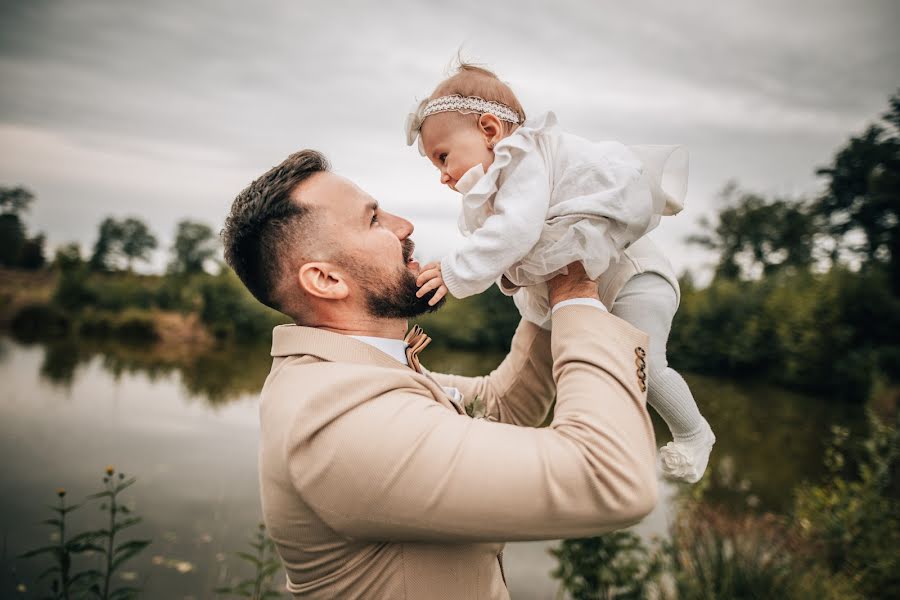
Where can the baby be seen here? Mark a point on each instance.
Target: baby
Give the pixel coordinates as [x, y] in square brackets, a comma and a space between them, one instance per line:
[536, 199]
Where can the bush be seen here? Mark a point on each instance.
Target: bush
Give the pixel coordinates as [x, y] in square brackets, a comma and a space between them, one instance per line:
[129, 326]
[853, 518]
[833, 333]
[40, 321]
[230, 311]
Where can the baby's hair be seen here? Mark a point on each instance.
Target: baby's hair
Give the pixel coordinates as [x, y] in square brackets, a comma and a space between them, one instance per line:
[471, 80]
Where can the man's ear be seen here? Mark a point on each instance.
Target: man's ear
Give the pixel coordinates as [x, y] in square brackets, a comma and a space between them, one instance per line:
[491, 128]
[323, 280]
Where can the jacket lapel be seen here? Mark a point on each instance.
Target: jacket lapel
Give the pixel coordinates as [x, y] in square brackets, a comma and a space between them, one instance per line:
[296, 340]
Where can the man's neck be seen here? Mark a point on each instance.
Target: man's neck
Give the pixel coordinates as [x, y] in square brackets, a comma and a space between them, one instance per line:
[369, 327]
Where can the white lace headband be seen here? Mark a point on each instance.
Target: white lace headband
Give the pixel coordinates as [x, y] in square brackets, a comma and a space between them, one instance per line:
[457, 103]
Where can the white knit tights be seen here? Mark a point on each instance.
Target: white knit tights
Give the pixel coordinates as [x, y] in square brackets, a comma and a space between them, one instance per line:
[649, 303]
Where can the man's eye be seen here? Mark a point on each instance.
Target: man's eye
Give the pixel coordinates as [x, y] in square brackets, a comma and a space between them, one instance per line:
[374, 218]
[442, 158]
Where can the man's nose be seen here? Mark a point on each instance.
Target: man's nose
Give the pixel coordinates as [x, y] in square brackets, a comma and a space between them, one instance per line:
[445, 177]
[400, 226]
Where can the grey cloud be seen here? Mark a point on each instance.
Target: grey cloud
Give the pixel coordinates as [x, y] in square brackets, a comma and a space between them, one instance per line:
[202, 95]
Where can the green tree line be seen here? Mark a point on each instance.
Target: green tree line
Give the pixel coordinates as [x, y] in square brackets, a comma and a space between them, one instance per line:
[806, 291]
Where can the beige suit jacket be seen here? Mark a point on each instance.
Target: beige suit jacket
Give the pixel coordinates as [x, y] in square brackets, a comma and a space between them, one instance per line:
[376, 485]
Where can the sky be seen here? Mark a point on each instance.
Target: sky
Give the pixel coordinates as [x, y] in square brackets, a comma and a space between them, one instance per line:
[165, 110]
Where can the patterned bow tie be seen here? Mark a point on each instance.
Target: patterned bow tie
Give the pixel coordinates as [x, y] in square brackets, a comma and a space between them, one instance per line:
[417, 339]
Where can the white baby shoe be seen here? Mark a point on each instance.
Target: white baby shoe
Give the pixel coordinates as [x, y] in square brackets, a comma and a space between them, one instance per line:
[685, 459]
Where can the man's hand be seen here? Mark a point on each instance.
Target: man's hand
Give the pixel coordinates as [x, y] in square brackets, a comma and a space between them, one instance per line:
[574, 284]
[430, 278]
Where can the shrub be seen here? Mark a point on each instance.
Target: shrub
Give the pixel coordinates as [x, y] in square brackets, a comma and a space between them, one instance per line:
[853, 517]
[39, 321]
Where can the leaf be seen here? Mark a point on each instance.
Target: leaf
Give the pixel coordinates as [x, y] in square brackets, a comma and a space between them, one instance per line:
[87, 536]
[54, 522]
[124, 593]
[47, 572]
[127, 551]
[126, 523]
[270, 570]
[86, 577]
[37, 551]
[125, 484]
[82, 547]
[71, 507]
[250, 558]
[104, 494]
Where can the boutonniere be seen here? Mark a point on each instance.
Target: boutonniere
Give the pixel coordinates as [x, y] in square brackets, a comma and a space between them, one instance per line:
[477, 409]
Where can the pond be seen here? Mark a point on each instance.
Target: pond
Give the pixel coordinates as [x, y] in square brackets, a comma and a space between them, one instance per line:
[185, 425]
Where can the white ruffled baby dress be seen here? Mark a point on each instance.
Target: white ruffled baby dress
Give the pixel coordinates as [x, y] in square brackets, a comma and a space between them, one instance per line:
[551, 198]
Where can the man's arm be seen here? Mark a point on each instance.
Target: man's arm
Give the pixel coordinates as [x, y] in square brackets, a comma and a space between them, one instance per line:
[401, 467]
[520, 390]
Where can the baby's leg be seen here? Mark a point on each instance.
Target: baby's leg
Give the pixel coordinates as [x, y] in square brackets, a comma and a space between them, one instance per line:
[649, 303]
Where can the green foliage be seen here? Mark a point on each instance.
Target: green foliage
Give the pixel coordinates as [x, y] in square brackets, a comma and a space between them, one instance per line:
[834, 333]
[863, 187]
[483, 322]
[132, 325]
[195, 245]
[40, 321]
[114, 554]
[62, 552]
[714, 554]
[265, 563]
[853, 517]
[230, 311]
[615, 565]
[15, 200]
[16, 248]
[94, 583]
[127, 240]
[12, 238]
[68, 258]
[756, 236]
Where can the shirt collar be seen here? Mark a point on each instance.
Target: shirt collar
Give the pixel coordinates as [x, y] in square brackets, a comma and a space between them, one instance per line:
[394, 348]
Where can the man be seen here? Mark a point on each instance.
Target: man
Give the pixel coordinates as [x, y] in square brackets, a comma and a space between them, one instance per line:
[375, 482]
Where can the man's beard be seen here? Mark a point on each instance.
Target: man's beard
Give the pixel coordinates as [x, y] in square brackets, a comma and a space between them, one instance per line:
[394, 297]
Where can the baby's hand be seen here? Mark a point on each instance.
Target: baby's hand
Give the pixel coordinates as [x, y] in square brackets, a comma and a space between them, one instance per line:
[430, 279]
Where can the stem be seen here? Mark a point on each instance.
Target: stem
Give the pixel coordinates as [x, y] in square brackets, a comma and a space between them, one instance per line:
[112, 535]
[261, 553]
[63, 555]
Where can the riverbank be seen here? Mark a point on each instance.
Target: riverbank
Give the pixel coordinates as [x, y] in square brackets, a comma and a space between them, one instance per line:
[175, 314]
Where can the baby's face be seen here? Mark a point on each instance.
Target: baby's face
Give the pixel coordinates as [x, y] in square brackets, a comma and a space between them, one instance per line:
[454, 144]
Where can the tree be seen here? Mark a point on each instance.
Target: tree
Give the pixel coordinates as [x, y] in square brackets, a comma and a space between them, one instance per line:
[12, 238]
[108, 236]
[137, 241]
[756, 236]
[31, 256]
[68, 257]
[15, 200]
[14, 242]
[127, 240]
[863, 194]
[195, 244]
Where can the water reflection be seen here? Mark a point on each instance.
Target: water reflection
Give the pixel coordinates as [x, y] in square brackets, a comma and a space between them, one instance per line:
[186, 424]
[216, 375]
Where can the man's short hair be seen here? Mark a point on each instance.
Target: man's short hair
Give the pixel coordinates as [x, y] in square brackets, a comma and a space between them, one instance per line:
[264, 224]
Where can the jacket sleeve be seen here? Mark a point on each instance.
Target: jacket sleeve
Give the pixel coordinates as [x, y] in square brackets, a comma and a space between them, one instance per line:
[520, 390]
[402, 467]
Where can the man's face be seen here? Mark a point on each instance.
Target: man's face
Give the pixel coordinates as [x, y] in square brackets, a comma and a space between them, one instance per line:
[372, 245]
